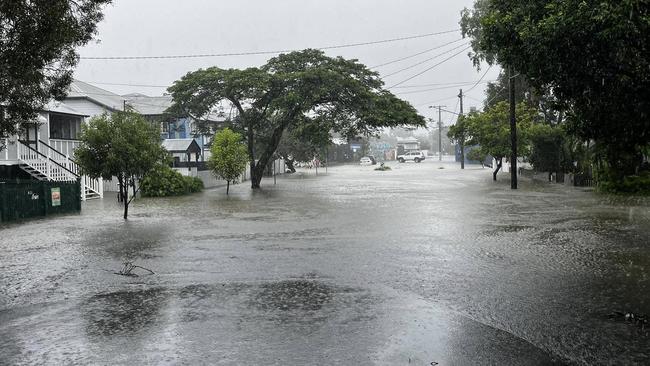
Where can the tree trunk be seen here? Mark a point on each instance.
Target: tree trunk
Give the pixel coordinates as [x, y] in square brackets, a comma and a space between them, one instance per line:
[124, 192]
[227, 187]
[289, 163]
[499, 164]
[256, 175]
[133, 186]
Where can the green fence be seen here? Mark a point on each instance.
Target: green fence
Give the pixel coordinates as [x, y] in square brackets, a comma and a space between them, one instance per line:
[21, 199]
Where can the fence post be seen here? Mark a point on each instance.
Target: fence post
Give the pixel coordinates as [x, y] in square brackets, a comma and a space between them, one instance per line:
[82, 187]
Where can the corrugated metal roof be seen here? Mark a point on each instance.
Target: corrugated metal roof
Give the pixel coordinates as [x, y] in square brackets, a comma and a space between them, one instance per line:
[155, 106]
[60, 107]
[79, 89]
[177, 144]
[147, 105]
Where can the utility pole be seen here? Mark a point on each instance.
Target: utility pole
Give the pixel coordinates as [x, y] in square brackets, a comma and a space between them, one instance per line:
[439, 129]
[462, 143]
[513, 132]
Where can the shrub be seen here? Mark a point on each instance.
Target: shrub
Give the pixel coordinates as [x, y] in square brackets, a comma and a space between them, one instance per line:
[193, 184]
[164, 181]
[634, 184]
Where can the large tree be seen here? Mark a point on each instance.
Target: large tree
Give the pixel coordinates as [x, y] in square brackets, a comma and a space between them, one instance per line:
[593, 55]
[38, 41]
[291, 91]
[122, 145]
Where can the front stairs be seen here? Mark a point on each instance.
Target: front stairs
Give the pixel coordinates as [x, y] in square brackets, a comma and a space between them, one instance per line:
[47, 163]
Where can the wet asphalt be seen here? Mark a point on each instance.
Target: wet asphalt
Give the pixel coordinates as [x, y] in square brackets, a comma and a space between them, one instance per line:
[422, 265]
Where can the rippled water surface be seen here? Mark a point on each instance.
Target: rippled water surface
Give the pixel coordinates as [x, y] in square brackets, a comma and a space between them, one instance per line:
[410, 266]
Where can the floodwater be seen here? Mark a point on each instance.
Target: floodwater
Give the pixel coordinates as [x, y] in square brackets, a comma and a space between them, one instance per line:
[414, 266]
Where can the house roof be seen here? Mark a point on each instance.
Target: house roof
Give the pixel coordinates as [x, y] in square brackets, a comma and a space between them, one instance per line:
[80, 90]
[155, 106]
[180, 145]
[147, 105]
[60, 107]
[407, 140]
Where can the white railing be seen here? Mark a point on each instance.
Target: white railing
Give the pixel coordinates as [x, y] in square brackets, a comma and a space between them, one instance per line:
[62, 159]
[55, 166]
[94, 185]
[65, 147]
[45, 165]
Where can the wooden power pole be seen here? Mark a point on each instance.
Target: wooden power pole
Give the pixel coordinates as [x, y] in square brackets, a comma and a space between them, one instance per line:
[513, 133]
[462, 143]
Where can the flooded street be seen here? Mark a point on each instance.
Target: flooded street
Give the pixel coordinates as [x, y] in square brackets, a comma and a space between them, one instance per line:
[418, 265]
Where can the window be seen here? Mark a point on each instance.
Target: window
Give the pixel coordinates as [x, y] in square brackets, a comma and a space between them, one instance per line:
[63, 126]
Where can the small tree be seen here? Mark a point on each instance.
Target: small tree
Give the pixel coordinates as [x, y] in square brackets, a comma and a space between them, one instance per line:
[122, 145]
[490, 130]
[229, 156]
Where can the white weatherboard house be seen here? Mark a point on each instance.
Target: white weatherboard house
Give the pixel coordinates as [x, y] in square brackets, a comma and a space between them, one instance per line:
[45, 149]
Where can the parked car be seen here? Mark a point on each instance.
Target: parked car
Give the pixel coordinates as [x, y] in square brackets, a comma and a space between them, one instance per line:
[365, 161]
[416, 156]
[372, 158]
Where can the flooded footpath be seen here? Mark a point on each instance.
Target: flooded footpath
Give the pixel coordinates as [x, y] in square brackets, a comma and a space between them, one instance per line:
[414, 266]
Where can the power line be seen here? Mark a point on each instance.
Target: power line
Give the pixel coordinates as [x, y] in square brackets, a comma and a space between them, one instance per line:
[454, 84]
[438, 100]
[481, 79]
[426, 90]
[474, 99]
[424, 61]
[430, 68]
[455, 109]
[450, 84]
[251, 53]
[416, 54]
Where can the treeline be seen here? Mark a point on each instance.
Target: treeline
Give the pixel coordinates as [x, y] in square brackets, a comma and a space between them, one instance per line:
[583, 86]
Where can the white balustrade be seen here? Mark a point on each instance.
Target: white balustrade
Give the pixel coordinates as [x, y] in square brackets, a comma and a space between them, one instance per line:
[55, 166]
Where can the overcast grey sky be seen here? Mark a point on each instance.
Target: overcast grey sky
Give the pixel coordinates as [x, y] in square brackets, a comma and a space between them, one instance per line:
[174, 27]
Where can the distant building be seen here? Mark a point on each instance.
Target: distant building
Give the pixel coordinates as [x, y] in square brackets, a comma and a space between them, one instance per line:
[407, 144]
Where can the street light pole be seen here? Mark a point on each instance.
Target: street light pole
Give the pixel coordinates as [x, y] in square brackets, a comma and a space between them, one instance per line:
[440, 107]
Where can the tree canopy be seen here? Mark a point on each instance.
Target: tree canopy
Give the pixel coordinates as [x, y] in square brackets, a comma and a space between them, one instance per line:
[38, 41]
[490, 131]
[290, 92]
[593, 56]
[123, 145]
[229, 156]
